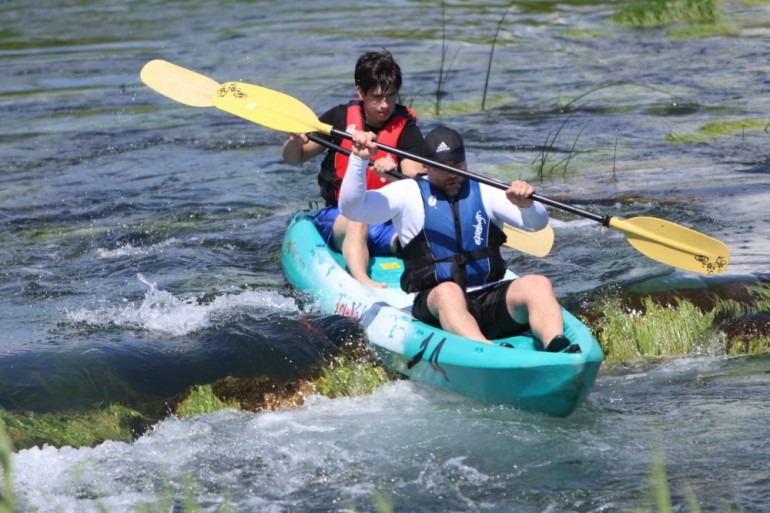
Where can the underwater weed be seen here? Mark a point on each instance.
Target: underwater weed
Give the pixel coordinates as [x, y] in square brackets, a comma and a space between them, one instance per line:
[202, 399]
[348, 377]
[656, 13]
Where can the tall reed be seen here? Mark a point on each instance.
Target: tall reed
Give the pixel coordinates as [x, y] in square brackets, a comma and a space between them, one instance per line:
[492, 53]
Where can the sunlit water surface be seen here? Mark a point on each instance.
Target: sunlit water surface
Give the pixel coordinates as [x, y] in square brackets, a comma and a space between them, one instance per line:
[140, 246]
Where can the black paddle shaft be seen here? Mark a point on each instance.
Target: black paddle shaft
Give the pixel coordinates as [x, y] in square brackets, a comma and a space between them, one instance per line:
[339, 149]
[604, 220]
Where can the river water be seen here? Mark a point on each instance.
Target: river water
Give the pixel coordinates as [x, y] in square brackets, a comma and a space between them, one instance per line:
[141, 239]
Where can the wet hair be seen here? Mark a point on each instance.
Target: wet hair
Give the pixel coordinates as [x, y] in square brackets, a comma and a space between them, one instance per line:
[378, 69]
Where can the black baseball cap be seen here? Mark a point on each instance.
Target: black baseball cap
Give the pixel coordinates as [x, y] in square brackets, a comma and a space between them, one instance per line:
[443, 144]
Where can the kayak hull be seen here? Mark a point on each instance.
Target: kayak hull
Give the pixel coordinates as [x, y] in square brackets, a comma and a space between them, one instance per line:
[524, 376]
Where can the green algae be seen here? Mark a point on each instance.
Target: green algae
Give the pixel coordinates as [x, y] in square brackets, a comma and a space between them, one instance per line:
[657, 13]
[201, 399]
[702, 30]
[76, 429]
[584, 34]
[719, 129]
[6, 450]
[426, 112]
[346, 377]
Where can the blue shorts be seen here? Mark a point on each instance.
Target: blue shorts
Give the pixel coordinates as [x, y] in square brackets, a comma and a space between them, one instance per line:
[378, 239]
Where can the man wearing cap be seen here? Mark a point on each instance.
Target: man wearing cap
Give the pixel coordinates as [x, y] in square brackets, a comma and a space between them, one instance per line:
[450, 232]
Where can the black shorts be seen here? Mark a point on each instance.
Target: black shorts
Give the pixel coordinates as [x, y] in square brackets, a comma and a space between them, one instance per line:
[487, 306]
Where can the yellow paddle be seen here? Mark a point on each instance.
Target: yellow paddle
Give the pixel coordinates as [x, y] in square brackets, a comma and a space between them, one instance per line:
[180, 84]
[196, 90]
[657, 239]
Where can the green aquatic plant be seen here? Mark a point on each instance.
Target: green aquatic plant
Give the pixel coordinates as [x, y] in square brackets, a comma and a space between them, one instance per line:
[759, 302]
[492, 53]
[660, 491]
[6, 450]
[656, 330]
[657, 13]
[746, 344]
[659, 482]
[442, 73]
[202, 399]
[347, 377]
[682, 328]
[701, 30]
[754, 341]
[76, 429]
[719, 129]
[583, 34]
[543, 162]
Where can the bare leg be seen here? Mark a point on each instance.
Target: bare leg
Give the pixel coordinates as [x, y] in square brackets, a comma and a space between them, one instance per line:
[350, 237]
[446, 302]
[531, 299]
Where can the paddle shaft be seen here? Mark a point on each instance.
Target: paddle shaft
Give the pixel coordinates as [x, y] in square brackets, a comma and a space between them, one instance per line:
[658, 239]
[339, 149]
[604, 220]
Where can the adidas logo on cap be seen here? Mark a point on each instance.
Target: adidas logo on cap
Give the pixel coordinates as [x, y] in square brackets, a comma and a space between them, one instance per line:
[444, 144]
[442, 147]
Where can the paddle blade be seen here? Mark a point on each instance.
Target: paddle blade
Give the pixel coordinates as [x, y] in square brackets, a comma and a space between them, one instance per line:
[268, 108]
[178, 83]
[537, 243]
[674, 244]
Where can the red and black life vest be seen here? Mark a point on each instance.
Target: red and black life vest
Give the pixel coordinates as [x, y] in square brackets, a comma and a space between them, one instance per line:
[388, 135]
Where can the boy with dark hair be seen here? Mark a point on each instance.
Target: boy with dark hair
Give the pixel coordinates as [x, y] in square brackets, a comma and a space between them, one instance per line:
[375, 109]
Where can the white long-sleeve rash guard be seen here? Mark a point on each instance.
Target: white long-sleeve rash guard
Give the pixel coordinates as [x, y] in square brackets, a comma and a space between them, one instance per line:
[402, 202]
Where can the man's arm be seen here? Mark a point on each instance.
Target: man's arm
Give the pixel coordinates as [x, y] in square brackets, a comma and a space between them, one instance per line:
[355, 202]
[502, 209]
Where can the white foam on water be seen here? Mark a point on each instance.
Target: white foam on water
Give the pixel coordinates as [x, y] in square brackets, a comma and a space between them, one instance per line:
[408, 440]
[128, 249]
[163, 312]
[577, 224]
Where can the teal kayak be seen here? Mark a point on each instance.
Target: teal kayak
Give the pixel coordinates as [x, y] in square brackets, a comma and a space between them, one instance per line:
[525, 376]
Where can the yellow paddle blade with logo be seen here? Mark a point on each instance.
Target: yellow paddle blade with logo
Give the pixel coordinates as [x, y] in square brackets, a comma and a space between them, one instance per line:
[268, 108]
[674, 244]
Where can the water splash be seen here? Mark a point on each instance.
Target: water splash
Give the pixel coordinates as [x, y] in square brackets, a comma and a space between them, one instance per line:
[165, 313]
[128, 249]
